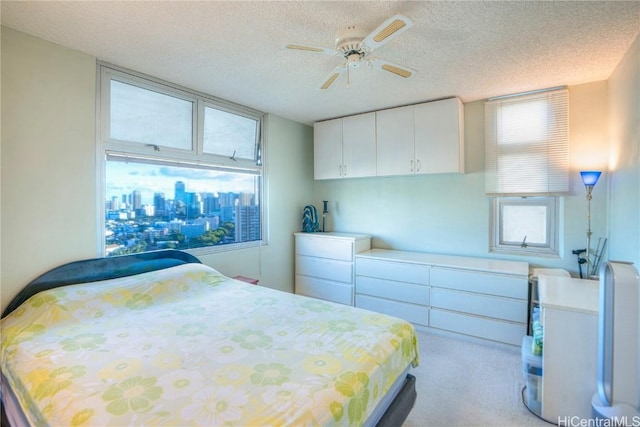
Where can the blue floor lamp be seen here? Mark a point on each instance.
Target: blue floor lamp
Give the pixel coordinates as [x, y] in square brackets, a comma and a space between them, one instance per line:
[589, 179]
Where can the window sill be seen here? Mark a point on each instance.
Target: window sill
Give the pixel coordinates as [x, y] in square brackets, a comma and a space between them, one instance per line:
[524, 252]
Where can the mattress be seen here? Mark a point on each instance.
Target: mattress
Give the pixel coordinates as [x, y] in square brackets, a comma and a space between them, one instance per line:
[189, 346]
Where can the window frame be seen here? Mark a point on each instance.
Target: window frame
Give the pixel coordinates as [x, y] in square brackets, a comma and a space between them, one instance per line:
[195, 157]
[498, 245]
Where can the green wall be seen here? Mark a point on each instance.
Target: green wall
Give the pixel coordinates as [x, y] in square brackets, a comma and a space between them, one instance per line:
[48, 158]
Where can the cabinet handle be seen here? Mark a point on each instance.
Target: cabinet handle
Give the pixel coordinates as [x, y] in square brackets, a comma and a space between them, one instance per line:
[418, 165]
[344, 170]
[339, 170]
[411, 165]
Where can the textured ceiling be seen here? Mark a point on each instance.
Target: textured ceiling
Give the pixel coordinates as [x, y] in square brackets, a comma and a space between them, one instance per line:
[234, 49]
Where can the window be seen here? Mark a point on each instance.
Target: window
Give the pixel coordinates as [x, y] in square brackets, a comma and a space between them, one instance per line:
[527, 169]
[179, 169]
[524, 225]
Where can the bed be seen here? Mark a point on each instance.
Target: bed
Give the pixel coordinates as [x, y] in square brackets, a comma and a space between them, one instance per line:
[161, 339]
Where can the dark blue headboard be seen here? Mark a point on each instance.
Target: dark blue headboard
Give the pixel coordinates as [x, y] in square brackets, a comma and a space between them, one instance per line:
[96, 269]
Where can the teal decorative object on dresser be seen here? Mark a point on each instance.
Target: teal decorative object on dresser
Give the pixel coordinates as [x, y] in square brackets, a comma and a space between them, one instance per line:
[310, 219]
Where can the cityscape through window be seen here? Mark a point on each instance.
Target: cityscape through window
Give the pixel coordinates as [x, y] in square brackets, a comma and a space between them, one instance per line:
[152, 207]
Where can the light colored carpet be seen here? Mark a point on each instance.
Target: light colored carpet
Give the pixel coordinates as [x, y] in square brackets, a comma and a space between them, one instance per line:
[464, 382]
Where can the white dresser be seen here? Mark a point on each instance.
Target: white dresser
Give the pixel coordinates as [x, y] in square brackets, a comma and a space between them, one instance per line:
[324, 264]
[479, 297]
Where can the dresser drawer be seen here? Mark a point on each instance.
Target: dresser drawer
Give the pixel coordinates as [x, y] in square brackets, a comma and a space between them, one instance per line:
[323, 247]
[413, 313]
[484, 283]
[482, 327]
[483, 305]
[396, 271]
[323, 268]
[399, 291]
[324, 289]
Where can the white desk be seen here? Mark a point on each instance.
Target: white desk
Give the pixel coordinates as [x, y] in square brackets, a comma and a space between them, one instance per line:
[570, 319]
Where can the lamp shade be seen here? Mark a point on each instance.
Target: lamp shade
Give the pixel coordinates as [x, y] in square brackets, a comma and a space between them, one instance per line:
[590, 178]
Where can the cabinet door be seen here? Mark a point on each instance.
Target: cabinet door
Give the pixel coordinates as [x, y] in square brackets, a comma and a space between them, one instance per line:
[394, 132]
[359, 145]
[327, 149]
[439, 140]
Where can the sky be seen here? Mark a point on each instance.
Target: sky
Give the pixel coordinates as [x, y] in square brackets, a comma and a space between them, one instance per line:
[124, 178]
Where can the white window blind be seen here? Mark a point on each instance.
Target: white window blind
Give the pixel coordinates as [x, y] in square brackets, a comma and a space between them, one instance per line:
[527, 144]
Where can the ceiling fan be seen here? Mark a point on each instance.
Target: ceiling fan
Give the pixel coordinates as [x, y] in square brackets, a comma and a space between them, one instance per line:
[356, 46]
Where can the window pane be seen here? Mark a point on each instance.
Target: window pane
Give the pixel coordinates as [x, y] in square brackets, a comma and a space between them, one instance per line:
[156, 206]
[229, 135]
[519, 222]
[149, 117]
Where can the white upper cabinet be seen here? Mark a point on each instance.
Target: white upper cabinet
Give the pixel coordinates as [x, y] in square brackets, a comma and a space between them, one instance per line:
[416, 139]
[345, 147]
[327, 149]
[395, 145]
[439, 136]
[421, 139]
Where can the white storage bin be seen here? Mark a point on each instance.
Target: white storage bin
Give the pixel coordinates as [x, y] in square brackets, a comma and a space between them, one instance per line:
[532, 370]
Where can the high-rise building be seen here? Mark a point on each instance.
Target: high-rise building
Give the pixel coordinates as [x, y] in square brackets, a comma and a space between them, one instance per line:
[210, 203]
[179, 192]
[247, 223]
[227, 214]
[227, 199]
[245, 199]
[160, 204]
[193, 204]
[136, 200]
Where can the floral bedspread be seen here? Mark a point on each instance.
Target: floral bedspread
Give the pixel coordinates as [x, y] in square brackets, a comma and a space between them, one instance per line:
[189, 346]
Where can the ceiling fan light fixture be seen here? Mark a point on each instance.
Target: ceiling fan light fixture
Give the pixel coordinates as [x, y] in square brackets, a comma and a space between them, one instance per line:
[353, 58]
[389, 30]
[396, 70]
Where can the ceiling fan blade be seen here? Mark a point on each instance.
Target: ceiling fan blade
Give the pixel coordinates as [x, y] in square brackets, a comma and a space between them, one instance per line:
[387, 31]
[315, 49]
[397, 69]
[332, 77]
